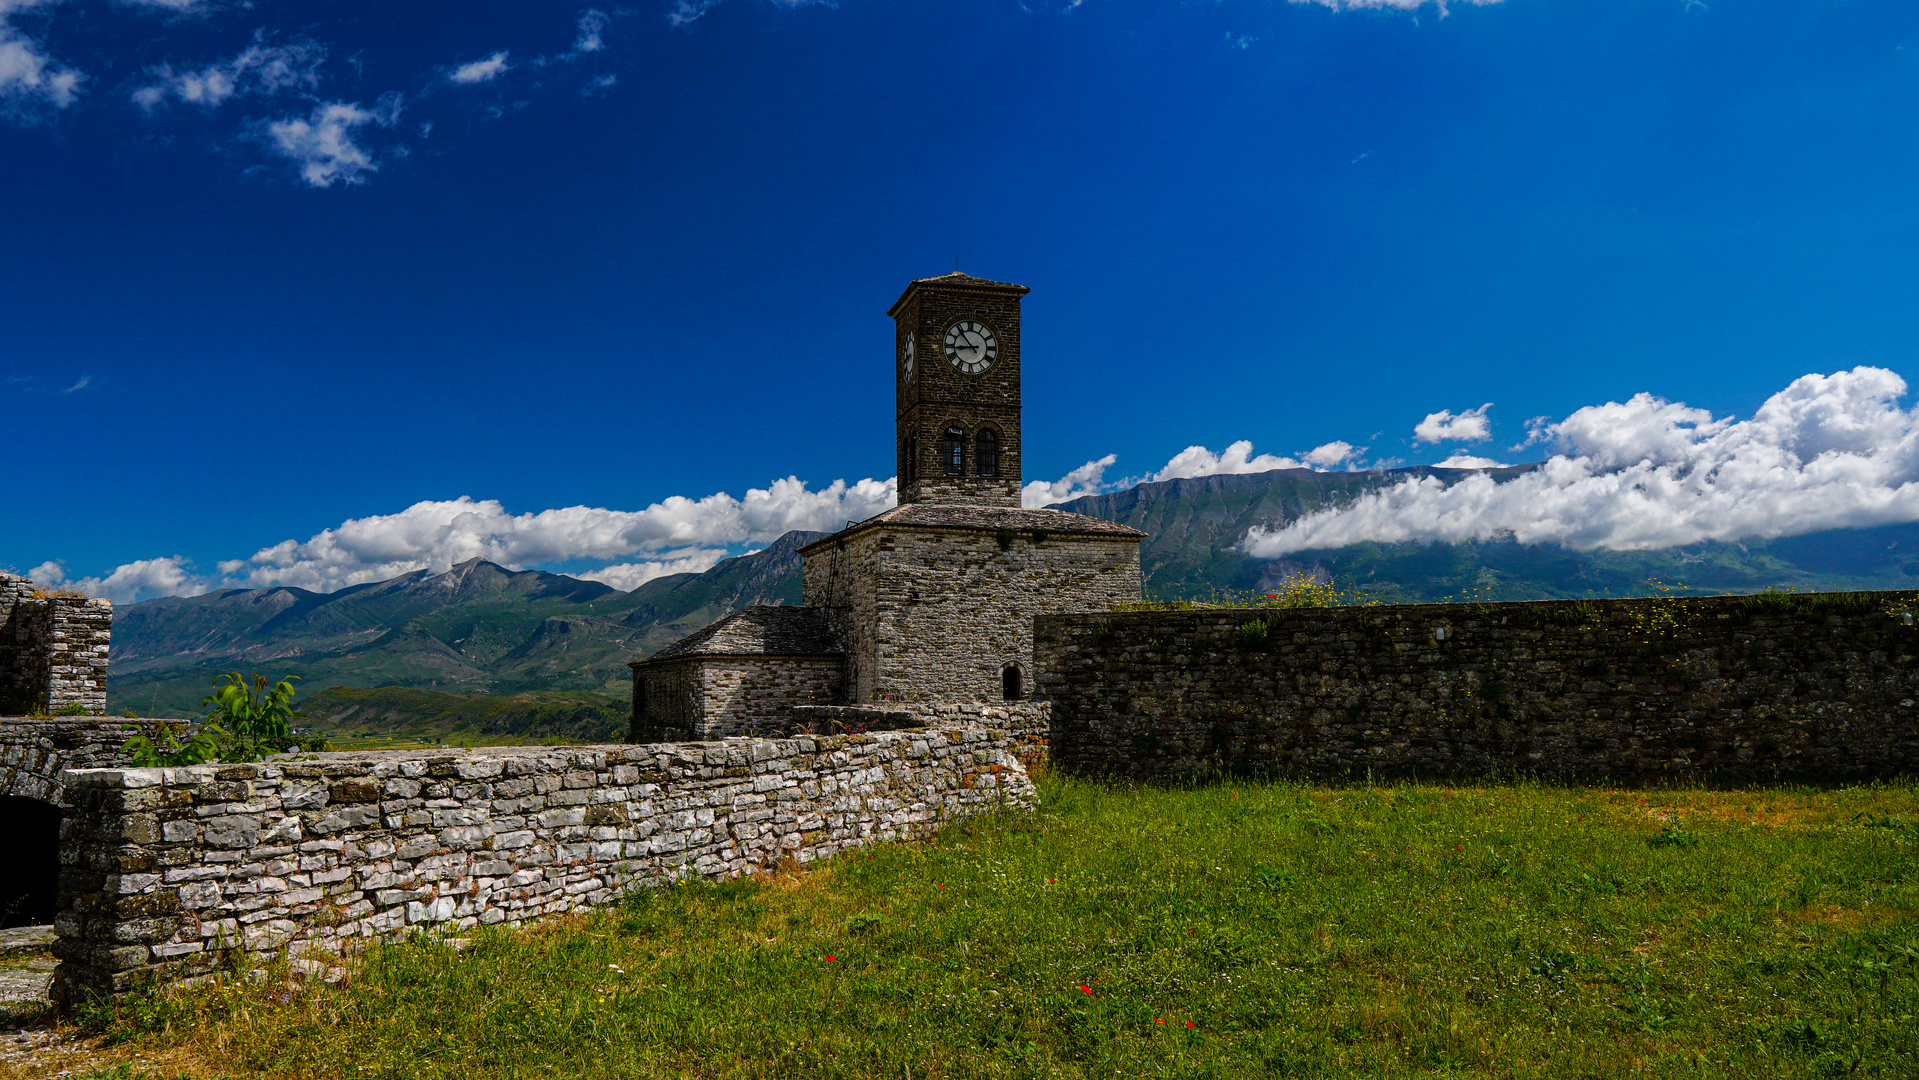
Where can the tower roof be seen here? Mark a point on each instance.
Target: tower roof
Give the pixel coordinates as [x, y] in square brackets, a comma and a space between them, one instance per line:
[959, 282]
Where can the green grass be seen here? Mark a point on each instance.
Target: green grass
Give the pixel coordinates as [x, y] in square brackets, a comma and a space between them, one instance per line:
[1217, 930]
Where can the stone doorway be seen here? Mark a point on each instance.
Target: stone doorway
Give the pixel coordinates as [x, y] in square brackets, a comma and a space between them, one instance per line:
[29, 861]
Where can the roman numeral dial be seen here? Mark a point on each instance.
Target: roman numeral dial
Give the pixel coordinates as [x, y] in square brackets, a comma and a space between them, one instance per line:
[971, 347]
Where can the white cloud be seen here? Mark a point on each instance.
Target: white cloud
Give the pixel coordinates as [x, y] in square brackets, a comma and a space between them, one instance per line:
[1236, 458]
[629, 576]
[1333, 453]
[1462, 460]
[1085, 480]
[258, 69]
[322, 144]
[691, 534]
[1827, 452]
[137, 580]
[28, 76]
[84, 382]
[592, 36]
[480, 71]
[170, 5]
[1443, 426]
[1390, 5]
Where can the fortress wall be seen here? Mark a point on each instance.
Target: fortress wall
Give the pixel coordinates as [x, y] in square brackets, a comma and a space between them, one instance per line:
[53, 649]
[1739, 688]
[164, 870]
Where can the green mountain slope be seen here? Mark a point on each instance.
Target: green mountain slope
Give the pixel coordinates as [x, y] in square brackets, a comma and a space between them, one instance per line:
[481, 629]
[475, 628]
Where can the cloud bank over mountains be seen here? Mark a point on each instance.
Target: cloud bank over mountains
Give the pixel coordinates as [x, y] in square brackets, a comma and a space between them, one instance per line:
[1827, 452]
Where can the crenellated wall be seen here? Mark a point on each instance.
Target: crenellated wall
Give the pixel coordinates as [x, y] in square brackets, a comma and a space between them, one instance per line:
[1742, 688]
[165, 870]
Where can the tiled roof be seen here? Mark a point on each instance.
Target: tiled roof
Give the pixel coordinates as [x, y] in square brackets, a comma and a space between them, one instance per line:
[766, 630]
[984, 519]
[957, 280]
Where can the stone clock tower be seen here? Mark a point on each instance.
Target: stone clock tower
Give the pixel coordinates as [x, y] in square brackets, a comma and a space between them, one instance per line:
[956, 364]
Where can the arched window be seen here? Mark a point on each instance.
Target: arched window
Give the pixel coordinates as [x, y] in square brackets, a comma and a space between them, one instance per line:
[1009, 683]
[986, 462]
[910, 466]
[951, 454]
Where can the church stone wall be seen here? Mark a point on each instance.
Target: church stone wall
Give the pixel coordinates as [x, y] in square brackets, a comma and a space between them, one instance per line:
[936, 614]
[717, 697]
[1742, 688]
[166, 870]
[53, 649]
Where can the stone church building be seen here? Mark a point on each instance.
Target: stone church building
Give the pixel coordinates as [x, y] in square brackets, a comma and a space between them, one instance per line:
[930, 602]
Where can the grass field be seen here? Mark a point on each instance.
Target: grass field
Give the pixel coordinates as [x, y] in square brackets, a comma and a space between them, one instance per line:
[1216, 930]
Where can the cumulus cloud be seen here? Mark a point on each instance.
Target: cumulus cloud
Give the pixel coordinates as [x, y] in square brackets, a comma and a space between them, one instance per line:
[136, 580]
[1236, 458]
[1333, 453]
[592, 35]
[480, 71]
[1085, 480]
[322, 143]
[1827, 452]
[1462, 460]
[1443, 426]
[686, 535]
[29, 77]
[629, 576]
[259, 69]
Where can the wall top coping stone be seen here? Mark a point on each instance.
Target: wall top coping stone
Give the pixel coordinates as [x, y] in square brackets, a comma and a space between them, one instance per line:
[486, 762]
[1775, 604]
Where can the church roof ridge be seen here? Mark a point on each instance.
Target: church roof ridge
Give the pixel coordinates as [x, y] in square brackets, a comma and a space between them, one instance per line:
[983, 519]
[760, 630]
[957, 280]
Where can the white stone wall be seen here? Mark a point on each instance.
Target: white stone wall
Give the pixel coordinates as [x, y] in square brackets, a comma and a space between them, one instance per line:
[167, 868]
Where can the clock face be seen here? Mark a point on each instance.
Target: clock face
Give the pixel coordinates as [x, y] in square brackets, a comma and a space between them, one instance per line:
[971, 346]
[906, 358]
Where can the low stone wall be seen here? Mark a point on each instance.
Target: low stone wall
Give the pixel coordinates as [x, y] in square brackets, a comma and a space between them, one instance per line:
[1743, 688]
[35, 752]
[166, 869]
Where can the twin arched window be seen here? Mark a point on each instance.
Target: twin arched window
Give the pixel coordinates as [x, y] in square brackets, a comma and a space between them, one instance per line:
[953, 452]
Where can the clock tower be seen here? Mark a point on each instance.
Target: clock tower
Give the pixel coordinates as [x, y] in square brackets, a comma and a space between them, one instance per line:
[956, 365]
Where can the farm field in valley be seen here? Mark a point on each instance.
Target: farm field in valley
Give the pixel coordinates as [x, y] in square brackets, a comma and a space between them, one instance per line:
[1225, 929]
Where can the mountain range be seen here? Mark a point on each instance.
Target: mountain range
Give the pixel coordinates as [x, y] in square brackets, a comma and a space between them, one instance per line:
[478, 628]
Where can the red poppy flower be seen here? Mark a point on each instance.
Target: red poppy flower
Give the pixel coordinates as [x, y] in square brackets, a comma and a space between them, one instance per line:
[830, 958]
[1086, 989]
[1189, 1023]
[1157, 1020]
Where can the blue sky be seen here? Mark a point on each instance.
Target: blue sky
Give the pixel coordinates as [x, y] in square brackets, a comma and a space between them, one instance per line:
[282, 283]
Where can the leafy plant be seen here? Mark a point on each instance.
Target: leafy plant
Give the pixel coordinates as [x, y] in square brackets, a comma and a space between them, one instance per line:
[1253, 634]
[246, 721]
[71, 709]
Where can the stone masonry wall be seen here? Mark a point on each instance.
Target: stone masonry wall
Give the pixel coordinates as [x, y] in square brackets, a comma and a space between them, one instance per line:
[34, 753]
[166, 869]
[734, 695]
[935, 614]
[1743, 688]
[53, 649]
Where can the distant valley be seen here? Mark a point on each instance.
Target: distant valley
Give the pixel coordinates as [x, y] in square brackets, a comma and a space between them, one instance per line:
[562, 644]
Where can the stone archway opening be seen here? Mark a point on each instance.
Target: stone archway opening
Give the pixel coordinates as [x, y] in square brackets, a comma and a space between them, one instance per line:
[29, 861]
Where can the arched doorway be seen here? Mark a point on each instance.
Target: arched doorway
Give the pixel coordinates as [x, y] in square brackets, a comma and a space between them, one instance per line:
[1010, 683]
[29, 861]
